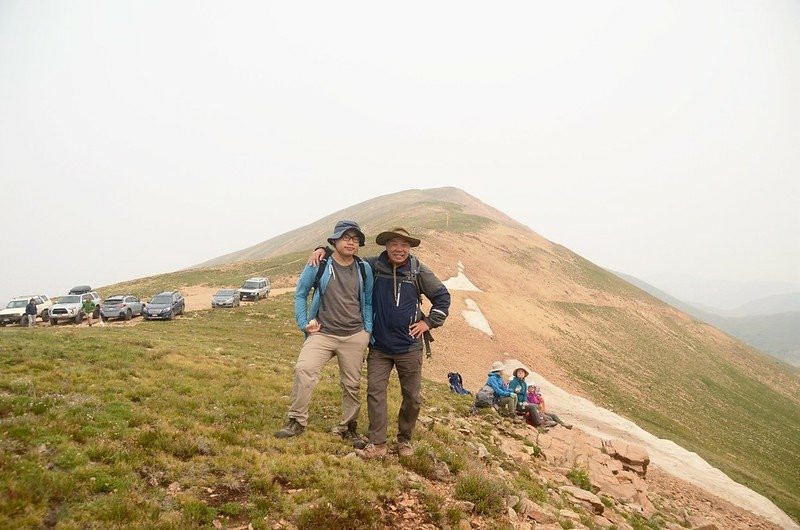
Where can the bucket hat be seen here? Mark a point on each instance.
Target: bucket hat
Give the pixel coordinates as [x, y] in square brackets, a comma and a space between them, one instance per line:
[527, 373]
[498, 366]
[400, 232]
[342, 227]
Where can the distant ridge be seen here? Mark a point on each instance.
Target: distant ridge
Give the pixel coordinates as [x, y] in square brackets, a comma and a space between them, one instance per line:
[761, 323]
[413, 208]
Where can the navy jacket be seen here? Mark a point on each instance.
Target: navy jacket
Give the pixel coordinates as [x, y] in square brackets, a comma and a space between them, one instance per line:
[395, 304]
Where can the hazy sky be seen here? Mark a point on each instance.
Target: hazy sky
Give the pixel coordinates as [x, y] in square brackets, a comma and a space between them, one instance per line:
[650, 137]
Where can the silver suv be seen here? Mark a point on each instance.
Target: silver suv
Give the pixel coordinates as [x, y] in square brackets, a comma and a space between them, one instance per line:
[254, 289]
[70, 307]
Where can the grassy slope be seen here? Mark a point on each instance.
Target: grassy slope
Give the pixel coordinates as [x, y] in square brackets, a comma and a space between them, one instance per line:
[97, 425]
[732, 405]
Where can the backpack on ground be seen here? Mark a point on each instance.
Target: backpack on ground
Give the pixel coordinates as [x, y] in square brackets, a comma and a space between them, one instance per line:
[485, 397]
[456, 383]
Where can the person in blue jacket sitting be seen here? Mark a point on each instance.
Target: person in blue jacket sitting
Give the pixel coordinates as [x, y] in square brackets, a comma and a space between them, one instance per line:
[505, 398]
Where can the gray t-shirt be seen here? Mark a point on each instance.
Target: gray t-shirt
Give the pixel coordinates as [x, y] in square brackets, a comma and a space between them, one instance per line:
[340, 311]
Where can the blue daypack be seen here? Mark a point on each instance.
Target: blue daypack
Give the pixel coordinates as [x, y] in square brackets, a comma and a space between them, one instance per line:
[456, 383]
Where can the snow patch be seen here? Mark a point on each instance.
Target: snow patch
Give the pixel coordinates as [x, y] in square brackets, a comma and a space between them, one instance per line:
[472, 314]
[666, 454]
[460, 282]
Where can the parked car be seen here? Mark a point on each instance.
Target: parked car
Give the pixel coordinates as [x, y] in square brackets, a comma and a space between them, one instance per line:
[14, 312]
[254, 288]
[225, 298]
[70, 307]
[165, 306]
[122, 306]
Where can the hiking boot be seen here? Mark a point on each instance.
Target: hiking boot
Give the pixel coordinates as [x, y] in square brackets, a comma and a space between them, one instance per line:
[352, 437]
[292, 428]
[404, 449]
[372, 451]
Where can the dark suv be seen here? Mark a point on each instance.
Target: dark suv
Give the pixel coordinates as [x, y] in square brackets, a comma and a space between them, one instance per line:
[164, 306]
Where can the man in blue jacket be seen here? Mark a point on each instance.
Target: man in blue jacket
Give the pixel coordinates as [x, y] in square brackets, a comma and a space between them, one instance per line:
[337, 324]
[397, 336]
[30, 312]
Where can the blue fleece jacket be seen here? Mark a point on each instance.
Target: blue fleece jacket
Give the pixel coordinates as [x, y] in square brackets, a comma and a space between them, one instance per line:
[303, 313]
[516, 383]
[498, 385]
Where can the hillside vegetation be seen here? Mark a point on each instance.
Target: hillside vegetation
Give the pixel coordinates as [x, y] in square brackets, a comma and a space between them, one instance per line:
[582, 327]
[168, 425]
[590, 332]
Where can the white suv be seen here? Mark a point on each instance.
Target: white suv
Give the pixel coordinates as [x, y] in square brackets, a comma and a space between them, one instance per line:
[70, 307]
[254, 288]
[15, 310]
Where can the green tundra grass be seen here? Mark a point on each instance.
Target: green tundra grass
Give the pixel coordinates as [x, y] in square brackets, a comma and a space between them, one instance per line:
[169, 425]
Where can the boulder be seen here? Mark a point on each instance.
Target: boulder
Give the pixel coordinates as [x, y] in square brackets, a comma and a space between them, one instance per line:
[620, 492]
[585, 498]
[531, 510]
[633, 457]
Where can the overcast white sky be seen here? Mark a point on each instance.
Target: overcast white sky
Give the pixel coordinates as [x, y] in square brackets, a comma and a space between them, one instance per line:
[650, 137]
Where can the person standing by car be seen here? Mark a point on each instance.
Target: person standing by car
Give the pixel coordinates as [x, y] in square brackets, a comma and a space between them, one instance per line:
[337, 324]
[88, 308]
[30, 312]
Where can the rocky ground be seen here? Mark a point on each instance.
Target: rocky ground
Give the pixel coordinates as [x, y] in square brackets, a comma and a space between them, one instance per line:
[618, 484]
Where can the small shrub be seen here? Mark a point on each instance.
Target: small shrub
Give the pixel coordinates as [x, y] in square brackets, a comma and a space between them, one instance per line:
[484, 492]
[198, 513]
[453, 516]
[580, 477]
[433, 507]
[230, 508]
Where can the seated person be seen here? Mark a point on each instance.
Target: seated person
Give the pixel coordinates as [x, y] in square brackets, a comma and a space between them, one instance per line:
[520, 388]
[549, 418]
[505, 398]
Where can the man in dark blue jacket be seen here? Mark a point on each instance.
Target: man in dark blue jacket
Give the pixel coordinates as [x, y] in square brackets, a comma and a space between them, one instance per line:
[397, 336]
[30, 313]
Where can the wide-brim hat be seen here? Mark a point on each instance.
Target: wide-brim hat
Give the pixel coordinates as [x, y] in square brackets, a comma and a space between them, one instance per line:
[342, 227]
[400, 232]
[498, 366]
[527, 373]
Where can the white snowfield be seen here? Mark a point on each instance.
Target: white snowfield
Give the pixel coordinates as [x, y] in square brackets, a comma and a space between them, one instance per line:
[605, 424]
[460, 282]
[472, 314]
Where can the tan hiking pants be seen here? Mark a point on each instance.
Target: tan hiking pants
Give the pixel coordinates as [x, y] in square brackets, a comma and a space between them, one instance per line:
[317, 350]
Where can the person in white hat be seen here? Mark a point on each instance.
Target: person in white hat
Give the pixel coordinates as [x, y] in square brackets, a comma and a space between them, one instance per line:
[505, 398]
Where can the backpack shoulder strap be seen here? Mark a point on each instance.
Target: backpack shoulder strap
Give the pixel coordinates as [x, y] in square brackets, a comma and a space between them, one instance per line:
[323, 262]
[414, 263]
[362, 268]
